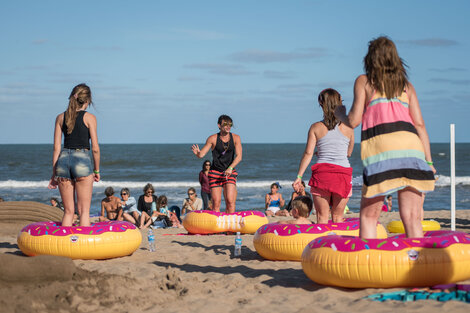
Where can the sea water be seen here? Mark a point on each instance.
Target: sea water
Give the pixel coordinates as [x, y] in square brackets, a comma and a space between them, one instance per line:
[172, 168]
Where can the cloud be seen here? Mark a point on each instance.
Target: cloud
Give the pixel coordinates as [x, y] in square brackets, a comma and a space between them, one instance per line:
[39, 41]
[221, 69]
[189, 78]
[278, 74]
[266, 56]
[430, 42]
[450, 81]
[200, 34]
[448, 70]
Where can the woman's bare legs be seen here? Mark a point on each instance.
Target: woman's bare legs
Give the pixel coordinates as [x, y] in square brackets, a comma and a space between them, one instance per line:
[230, 195]
[410, 204]
[369, 215]
[216, 195]
[84, 191]
[337, 208]
[67, 193]
[322, 208]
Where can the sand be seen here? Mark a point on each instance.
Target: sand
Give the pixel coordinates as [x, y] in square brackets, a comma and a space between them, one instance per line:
[185, 274]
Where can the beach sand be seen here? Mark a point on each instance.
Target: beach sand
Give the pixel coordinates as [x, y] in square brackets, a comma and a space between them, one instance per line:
[186, 274]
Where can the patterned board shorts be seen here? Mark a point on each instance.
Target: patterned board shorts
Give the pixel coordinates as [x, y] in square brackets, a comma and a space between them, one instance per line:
[218, 179]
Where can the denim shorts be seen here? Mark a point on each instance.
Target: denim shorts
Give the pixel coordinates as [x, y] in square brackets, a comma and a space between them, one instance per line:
[73, 164]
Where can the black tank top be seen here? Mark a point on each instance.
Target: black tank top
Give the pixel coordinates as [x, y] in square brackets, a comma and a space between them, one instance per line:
[79, 138]
[223, 154]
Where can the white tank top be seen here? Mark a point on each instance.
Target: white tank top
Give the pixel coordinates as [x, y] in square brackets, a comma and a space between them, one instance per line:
[333, 148]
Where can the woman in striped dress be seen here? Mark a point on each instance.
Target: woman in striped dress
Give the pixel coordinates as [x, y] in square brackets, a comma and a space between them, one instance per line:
[395, 149]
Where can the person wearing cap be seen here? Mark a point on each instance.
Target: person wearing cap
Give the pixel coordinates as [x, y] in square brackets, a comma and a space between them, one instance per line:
[274, 202]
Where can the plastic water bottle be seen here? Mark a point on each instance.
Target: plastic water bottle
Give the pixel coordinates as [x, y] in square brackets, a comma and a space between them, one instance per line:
[237, 251]
[151, 240]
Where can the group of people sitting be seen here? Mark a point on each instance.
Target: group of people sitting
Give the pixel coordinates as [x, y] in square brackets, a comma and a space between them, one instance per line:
[149, 210]
[275, 203]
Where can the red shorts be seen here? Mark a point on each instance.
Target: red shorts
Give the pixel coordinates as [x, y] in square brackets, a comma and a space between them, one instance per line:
[218, 179]
[324, 193]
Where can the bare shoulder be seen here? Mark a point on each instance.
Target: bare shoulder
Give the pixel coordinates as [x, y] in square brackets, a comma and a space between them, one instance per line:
[236, 137]
[212, 138]
[89, 117]
[60, 118]
[361, 79]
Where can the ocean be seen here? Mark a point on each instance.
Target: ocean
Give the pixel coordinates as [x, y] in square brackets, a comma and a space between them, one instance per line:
[172, 168]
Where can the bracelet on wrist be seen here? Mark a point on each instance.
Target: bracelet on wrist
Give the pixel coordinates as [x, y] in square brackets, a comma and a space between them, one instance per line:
[230, 168]
[430, 162]
[96, 172]
[299, 176]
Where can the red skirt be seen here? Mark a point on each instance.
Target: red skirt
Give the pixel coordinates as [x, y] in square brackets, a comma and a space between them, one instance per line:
[333, 178]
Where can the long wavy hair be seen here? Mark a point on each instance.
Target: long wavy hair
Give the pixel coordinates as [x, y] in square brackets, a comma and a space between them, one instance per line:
[384, 68]
[80, 95]
[162, 201]
[329, 99]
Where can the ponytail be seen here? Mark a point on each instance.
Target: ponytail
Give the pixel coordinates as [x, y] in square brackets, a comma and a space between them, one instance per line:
[329, 99]
[80, 95]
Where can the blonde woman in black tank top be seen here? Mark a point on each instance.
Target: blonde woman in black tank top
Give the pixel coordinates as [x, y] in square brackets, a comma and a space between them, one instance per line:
[226, 155]
[72, 170]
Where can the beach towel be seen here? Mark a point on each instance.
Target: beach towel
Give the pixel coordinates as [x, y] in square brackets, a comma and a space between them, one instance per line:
[438, 293]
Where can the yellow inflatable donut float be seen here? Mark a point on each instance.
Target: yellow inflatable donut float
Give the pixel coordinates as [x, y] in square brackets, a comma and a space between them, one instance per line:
[286, 242]
[397, 226]
[210, 222]
[441, 257]
[103, 240]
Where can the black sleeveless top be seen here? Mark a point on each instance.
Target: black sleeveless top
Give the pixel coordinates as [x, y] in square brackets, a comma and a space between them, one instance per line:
[79, 138]
[223, 154]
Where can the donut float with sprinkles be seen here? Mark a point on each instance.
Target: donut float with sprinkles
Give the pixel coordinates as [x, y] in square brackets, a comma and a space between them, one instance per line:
[286, 242]
[440, 257]
[210, 222]
[103, 240]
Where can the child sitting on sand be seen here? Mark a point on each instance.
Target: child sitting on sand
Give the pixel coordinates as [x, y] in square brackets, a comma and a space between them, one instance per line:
[301, 208]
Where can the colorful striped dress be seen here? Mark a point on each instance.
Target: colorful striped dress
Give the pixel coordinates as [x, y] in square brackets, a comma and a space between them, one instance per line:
[392, 153]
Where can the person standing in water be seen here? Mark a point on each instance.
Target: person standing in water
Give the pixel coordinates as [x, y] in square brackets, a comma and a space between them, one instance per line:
[72, 170]
[395, 149]
[226, 155]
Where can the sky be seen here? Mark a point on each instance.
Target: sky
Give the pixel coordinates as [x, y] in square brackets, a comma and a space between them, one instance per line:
[163, 71]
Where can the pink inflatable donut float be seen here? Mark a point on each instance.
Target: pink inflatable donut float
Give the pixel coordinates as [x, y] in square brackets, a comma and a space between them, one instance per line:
[210, 222]
[441, 257]
[286, 242]
[101, 240]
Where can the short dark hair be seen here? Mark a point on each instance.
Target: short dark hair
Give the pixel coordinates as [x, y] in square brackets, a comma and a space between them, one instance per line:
[109, 191]
[303, 204]
[224, 117]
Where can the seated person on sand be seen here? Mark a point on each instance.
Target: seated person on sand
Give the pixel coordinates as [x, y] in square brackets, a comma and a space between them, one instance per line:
[147, 204]
[301, 208]
[129, 207]
[274, 202]
[159, 214]
[162, 207]
[111, 205]
[295, 194]
[192, 202]
[56, 203]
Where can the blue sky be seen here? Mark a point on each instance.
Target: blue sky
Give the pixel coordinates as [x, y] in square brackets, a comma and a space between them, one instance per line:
[163, 71]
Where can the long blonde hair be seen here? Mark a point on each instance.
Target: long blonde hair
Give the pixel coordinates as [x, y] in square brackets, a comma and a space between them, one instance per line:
[384, 68]
[80, 95]
[329, 99]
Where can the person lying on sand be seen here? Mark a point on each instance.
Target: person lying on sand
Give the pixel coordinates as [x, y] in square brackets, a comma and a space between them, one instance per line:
[301, 208]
